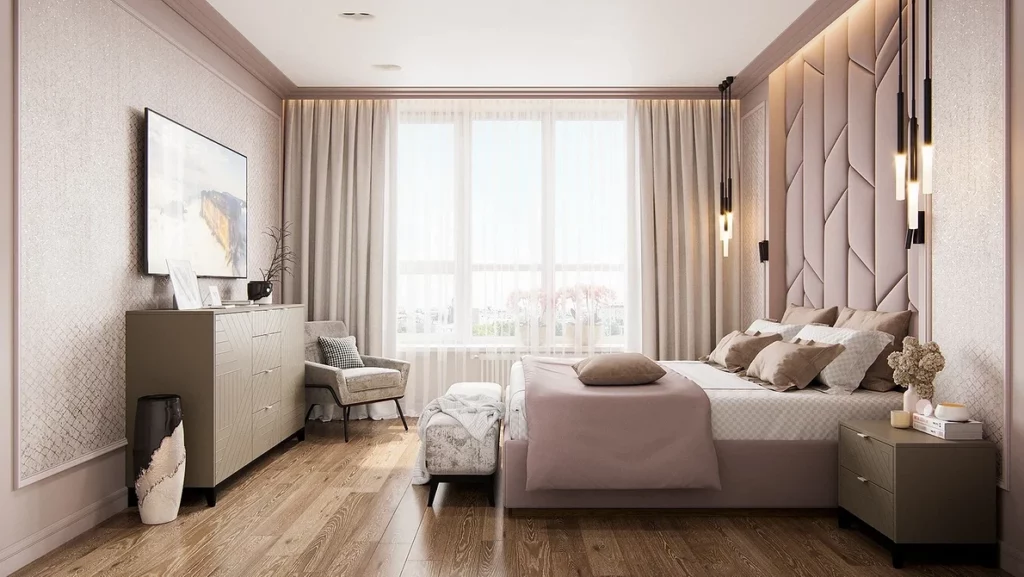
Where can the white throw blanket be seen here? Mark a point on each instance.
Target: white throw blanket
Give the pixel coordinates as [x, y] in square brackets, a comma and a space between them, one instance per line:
[476, 413]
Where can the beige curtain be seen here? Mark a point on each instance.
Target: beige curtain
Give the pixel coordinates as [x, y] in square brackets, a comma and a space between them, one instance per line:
[678, 156]
[335, 197]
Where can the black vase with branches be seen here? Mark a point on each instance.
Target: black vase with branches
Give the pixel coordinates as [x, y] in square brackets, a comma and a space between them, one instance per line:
[280, 264]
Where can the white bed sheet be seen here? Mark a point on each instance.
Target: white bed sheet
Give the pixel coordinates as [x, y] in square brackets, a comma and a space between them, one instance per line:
[741, 410]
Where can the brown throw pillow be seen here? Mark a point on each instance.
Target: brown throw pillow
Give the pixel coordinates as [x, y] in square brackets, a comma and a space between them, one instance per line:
[798, 315]
[782, 365]
[897, 324]
[618, 369]
[736, 350]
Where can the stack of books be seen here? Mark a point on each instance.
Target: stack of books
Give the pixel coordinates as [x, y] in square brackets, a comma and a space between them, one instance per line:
[949, 430]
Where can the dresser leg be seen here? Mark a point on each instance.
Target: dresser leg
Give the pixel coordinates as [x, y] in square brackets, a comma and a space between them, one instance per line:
[211, 496]
[845, 519]
[898, 556]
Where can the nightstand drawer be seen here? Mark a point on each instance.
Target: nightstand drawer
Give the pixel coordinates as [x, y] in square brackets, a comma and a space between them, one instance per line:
[869, 502]
[866, 457]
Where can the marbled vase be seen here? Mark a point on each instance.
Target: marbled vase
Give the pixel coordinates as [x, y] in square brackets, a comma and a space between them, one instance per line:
[159, 458]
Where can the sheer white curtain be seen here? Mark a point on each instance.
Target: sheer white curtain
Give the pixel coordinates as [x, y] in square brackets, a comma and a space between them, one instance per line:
[512, 228]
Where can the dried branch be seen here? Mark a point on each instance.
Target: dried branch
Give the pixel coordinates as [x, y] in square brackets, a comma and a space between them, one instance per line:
[284, 257]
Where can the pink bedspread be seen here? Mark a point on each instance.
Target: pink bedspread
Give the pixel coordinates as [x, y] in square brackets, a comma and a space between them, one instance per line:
[655, 436]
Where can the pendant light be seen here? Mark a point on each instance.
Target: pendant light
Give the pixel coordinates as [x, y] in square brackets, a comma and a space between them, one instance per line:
[913, 160]
[927, 150]
[900, 160]
[725, 217]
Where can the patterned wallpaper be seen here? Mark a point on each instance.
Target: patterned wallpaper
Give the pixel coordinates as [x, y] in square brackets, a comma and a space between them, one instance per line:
[840, 107]
[88, 70]
[753, 135]
[969, 207]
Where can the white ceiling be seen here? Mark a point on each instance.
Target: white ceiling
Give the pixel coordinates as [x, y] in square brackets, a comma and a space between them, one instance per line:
[514, 43]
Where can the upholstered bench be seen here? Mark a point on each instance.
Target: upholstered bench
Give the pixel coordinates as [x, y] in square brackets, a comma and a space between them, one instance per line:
[455, 456]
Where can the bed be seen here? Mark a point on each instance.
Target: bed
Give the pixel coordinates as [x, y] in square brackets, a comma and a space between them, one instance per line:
[775, 450]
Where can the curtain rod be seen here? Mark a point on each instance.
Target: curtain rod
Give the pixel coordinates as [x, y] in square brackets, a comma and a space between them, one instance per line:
[354, 93]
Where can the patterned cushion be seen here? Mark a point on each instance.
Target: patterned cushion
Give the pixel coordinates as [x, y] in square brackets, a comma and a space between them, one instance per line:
[360, 379]
[788, 332]
[843, 375]
[341, 353]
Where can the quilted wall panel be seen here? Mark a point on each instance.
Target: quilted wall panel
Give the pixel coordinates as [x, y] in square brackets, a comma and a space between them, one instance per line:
[969, 207]
[88, 69]
[845, 230]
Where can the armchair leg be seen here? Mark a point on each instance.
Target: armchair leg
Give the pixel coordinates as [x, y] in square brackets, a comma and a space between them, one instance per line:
[344, 421]
[401, 415]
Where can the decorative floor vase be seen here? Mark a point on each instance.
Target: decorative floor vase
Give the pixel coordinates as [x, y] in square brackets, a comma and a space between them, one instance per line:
[159, 457]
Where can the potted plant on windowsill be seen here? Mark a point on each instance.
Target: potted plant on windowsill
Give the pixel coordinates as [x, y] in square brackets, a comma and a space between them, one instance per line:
[529, 309]
[261, 291]
[583, 304]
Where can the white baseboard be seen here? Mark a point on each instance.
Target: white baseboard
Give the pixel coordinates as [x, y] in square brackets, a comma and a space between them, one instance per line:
[1011, 560]
[49, 538]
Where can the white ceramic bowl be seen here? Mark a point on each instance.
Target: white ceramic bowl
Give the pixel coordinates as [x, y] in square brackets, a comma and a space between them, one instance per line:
[952, 412]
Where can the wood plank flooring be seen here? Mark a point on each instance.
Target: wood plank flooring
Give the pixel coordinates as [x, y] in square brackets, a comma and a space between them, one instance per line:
[323, 507]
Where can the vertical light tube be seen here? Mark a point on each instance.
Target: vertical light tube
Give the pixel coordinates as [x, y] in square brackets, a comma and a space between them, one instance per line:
[927, 149]
[900, 159]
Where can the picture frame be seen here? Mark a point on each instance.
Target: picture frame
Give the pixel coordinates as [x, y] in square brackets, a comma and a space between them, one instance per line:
[185, 284]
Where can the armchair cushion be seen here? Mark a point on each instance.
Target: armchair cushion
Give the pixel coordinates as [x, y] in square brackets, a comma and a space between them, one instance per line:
[362, 379]
[341, 352]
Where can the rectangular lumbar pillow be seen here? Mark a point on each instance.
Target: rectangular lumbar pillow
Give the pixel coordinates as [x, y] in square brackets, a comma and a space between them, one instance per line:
[341, 353]
[798, 315]
[843, 375]
[618, 369]
[788, 332]
[897, 324]
[737, 350]
[783, 365]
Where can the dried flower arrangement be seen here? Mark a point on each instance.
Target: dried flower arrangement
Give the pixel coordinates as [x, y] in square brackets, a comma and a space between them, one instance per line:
[283, 258]
[917, 365]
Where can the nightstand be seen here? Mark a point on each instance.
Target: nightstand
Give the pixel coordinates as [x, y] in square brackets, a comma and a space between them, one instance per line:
[917, 490]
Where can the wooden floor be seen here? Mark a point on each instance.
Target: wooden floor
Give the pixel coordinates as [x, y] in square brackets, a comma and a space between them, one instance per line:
[323, 507]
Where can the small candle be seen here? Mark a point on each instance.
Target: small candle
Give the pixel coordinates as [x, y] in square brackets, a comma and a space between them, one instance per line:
[900, 419]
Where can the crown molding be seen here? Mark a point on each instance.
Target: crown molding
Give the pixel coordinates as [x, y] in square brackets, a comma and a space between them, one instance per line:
[372, 92]
[209, 22]
[804, 29]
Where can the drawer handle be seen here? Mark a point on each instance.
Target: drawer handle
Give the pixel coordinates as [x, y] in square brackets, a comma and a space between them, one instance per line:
[862, 479]
[264, 372]
[863, 435]
[268, 407]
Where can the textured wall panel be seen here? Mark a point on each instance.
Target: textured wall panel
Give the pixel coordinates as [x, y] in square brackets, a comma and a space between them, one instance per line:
[845, 230]
[969, 207]
[753, 179]
[88, 69]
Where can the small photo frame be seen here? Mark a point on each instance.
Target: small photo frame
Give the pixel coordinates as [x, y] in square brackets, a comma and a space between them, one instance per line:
[186, 285]
[214, 297]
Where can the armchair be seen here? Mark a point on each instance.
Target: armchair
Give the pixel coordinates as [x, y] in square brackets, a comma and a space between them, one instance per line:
[379, 380]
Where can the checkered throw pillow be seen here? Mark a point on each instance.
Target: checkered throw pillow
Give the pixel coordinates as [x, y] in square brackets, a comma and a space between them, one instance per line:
[341, 353]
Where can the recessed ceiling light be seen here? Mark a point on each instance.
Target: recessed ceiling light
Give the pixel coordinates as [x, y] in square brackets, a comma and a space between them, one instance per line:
[388, 67]
[356, 15]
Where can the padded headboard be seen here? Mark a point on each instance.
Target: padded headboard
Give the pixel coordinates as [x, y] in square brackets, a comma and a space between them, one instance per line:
[844, 228]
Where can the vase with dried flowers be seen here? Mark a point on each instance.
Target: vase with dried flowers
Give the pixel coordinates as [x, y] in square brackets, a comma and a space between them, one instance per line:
[261, 291]
[915, 368]
[583, 304]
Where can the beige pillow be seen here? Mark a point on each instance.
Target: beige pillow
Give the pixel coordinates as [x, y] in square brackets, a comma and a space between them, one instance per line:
[618, 369]
[783, 365]
[798, 315]
[736, 350]
[897, 324]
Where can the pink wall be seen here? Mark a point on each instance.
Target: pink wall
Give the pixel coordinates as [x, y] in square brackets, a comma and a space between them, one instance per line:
[45, 514]
[1013, 500]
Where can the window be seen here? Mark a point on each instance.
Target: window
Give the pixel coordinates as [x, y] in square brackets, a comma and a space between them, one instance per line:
[512, 223]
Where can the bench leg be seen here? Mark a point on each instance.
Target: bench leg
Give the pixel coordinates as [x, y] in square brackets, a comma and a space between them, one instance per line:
[401, 415]
[433, 491]
[492, 493]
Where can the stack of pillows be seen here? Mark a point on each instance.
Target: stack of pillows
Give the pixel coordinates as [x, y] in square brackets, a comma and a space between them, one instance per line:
[835, 352]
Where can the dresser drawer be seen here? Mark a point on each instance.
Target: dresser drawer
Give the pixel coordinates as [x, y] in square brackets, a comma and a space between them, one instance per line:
[869, 502]
[866, 457]
[266, 353]
[265, 430]
[266, 389]
[267, 322]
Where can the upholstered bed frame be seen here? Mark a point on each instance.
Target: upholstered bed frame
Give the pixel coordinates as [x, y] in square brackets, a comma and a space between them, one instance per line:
[755, 474]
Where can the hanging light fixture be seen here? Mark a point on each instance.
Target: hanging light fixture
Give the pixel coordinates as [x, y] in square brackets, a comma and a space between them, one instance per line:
[913, 160]
[725, 163]
[927, 150]
[900, 160]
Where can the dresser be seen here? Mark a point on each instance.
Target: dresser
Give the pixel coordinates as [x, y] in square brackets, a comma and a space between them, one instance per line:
[240, 373]
[926, 496]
